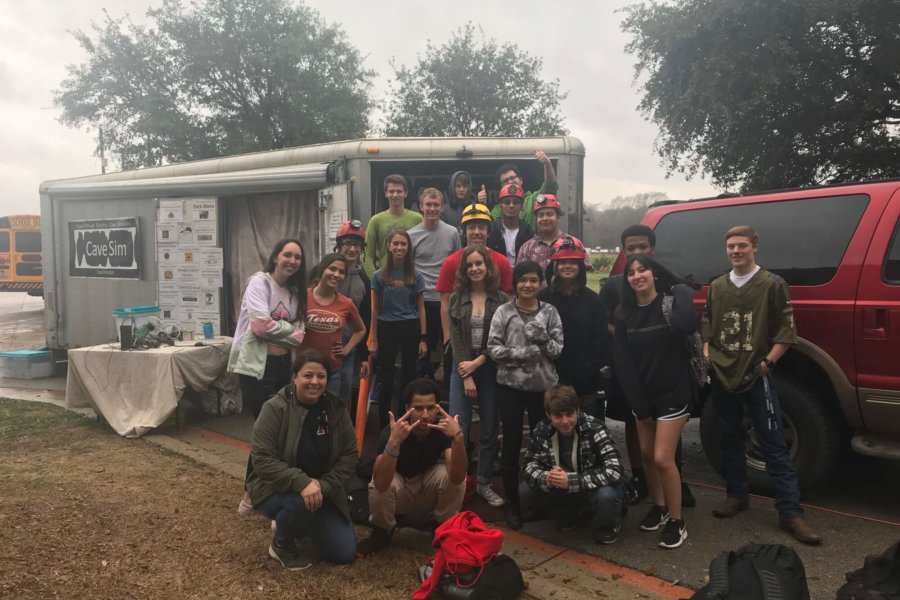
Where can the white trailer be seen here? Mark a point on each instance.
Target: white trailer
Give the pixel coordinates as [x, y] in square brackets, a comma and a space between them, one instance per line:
[257, 199]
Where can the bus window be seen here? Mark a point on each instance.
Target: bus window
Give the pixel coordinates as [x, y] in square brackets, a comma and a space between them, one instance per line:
[27, 241]
[4, 241]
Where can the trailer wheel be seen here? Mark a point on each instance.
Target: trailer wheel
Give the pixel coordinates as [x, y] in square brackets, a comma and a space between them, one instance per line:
[810, 431]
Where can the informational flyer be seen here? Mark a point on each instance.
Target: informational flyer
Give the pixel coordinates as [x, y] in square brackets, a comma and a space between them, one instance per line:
[189, 263]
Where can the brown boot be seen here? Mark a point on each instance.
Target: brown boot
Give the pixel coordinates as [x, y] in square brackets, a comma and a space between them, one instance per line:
[801, 531]
[729, 507]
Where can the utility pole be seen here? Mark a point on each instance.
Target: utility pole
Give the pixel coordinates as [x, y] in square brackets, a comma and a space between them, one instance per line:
[102, 153]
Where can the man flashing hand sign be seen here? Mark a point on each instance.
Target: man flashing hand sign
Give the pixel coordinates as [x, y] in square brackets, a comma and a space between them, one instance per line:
[409, 476]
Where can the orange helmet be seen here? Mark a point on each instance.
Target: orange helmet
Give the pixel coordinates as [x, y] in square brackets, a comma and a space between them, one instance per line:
[547, 201]
[511, 189]
[568, 247]
[350, 229]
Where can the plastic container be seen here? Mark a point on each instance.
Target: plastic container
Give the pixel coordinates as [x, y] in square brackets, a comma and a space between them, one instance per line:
[207, 330]
[26, 364]
[136, 316]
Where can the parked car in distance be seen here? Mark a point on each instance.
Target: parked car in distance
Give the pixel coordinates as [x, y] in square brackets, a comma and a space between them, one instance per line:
[838, 248]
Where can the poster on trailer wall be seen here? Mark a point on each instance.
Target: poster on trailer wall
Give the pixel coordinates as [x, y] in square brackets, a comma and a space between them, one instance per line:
[105, 248]
[189, 262]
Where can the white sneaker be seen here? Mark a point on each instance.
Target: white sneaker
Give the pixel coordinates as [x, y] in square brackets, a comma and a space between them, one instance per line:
[487, 492]
[245, 508]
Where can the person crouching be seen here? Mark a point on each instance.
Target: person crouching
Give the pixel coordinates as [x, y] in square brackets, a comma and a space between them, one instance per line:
[408, 477]
[572, 467]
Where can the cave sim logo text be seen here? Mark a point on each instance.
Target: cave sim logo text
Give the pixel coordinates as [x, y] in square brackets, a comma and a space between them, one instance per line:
[104, 248]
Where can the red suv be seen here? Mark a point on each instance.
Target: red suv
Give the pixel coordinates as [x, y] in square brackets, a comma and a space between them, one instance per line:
[838, 247]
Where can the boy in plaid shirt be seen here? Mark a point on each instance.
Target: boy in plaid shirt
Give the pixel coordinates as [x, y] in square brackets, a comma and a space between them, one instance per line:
[572, 467]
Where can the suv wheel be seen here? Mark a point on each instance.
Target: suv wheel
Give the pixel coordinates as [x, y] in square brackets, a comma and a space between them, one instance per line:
[810, 431]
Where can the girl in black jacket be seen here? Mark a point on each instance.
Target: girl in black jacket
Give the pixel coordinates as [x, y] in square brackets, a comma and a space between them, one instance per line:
[653, 368]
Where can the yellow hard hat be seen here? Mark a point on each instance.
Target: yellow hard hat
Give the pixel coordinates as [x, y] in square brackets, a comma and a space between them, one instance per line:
[475, 212]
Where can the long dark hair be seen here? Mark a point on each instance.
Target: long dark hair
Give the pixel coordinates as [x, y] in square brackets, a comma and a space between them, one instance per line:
[409, 269]
[296, 283]
[491, 280]
[663, 278]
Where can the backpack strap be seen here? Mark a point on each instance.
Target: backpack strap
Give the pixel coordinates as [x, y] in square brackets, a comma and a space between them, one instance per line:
[667, 302]
[768, 579]
[718, 576]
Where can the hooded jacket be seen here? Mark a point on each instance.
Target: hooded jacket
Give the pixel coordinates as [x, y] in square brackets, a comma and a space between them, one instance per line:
[525, 348]
[453, 208]
[274, 443]
[495, 239]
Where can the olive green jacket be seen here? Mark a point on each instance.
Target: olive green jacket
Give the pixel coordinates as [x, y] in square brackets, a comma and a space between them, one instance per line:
[273, 448]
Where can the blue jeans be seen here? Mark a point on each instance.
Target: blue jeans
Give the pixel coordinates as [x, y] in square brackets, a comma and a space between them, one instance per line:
[485, 378]
[767, 426]
[347, 374]
[605, 503]
[334, 384]
[331, 533]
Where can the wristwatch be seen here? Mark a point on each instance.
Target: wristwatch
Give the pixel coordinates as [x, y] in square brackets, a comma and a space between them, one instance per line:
[770, 364]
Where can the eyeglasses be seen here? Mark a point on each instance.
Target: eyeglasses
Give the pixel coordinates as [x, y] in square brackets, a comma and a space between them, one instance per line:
[511, 200]
[351, 242]
[510, 179]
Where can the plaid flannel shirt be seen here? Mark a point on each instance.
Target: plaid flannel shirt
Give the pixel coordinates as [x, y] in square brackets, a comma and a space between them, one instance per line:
[595, 457]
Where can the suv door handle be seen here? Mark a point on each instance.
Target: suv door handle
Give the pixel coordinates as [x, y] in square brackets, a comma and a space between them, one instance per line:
[873, 323]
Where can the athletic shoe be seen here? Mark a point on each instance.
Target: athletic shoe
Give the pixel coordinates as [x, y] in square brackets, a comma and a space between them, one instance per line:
[656, 517]
[245, 508]
[491, 497]
[673, 534]
[607, 535]
[687, 496]
[289, 557]
[378, 541]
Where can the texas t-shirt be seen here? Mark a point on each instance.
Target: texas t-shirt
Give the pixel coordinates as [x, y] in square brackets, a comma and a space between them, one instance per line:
[325, 324]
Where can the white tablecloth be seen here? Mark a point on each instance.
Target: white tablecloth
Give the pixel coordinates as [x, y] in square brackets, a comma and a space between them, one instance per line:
[138, 390]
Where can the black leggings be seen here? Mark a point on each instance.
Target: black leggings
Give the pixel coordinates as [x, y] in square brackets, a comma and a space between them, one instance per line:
[394, 336]
[512, 404]
[255, 391]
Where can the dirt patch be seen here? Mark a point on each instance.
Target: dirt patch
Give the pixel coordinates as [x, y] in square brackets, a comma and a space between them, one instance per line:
[87, 514]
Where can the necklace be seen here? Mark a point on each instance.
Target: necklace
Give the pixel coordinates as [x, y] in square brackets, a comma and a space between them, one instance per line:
[524, 310]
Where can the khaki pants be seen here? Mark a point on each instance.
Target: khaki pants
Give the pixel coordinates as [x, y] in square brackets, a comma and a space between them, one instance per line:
[430, 492]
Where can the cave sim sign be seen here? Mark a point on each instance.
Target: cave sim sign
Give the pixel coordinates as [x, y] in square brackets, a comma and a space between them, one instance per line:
[106, 248]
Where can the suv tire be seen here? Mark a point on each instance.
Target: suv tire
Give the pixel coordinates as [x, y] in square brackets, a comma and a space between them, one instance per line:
[811, 432]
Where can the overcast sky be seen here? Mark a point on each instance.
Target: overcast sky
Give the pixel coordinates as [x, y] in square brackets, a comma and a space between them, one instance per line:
[580, 42]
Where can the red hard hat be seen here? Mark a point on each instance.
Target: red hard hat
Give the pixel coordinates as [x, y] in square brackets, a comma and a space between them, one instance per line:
[547, 201]
[511, 189]
[568, 247]
[351, 229]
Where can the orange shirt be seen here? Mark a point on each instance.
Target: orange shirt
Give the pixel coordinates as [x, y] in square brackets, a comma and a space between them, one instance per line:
[325, 325]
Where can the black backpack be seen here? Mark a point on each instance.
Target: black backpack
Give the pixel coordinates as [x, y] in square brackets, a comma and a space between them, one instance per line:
[756, 572]
[878, 579]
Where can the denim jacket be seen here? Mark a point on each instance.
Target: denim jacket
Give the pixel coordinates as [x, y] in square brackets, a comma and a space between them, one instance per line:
[460, 308]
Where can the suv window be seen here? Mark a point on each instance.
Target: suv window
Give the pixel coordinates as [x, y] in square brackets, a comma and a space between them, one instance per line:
[803, 241]
[892, 262]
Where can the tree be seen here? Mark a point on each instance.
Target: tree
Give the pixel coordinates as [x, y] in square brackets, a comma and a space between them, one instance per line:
[766, 94]
[472, 86]
[603, 225]
[222, 77]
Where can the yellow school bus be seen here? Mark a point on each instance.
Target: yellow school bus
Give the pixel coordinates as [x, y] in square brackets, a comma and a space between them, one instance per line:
[20, 254]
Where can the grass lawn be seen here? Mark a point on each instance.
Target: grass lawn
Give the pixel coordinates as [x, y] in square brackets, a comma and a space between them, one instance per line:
[88, 514]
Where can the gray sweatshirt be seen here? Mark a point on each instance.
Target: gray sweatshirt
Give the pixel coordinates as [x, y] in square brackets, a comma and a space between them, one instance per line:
[524, 348]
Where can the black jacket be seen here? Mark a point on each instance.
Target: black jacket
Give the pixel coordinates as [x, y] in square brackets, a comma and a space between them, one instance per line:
[495, 237]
